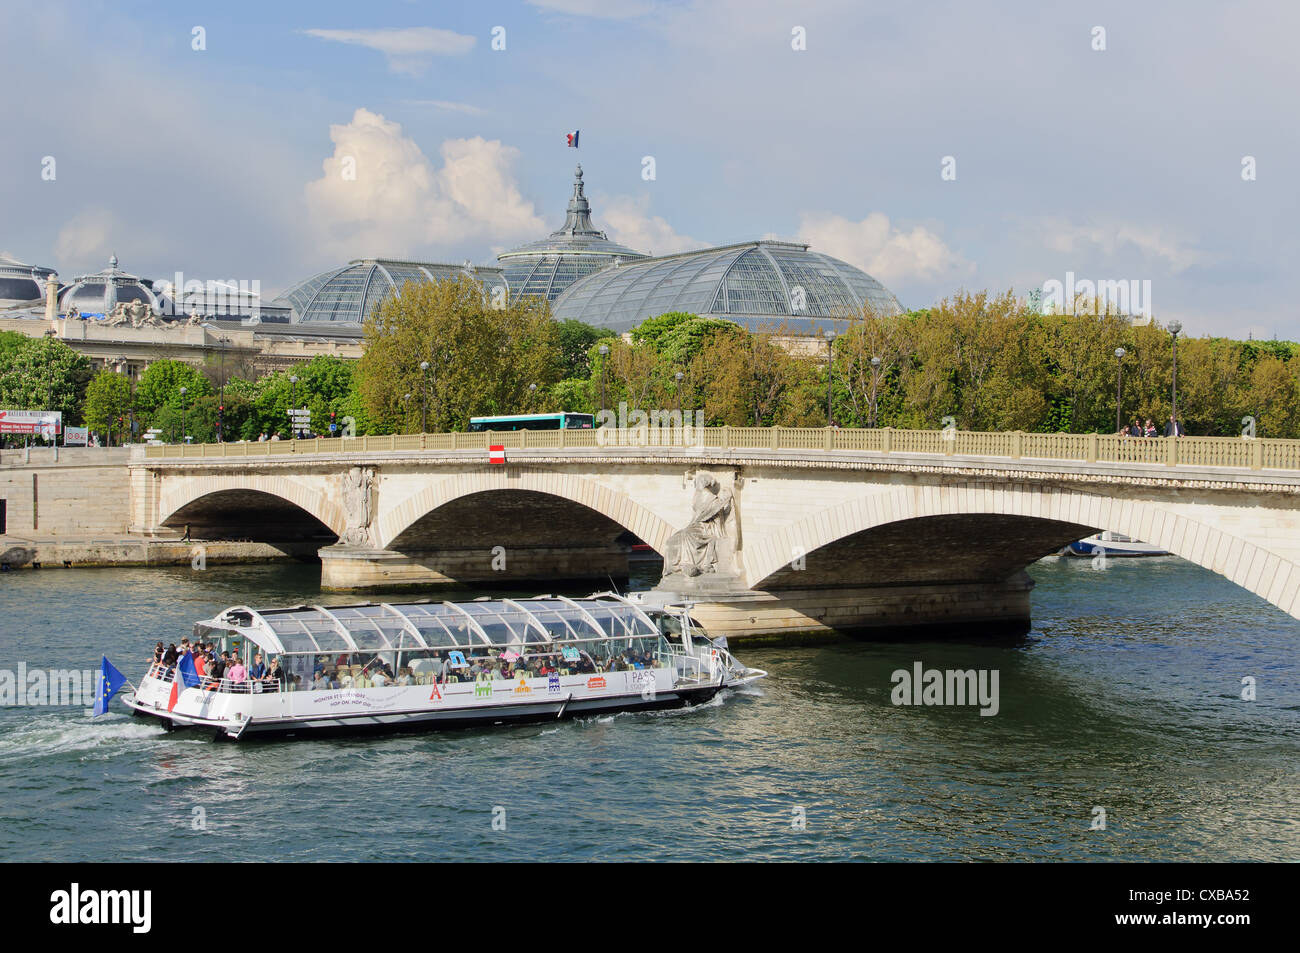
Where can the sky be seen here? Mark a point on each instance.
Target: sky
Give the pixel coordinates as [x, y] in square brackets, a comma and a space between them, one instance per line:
[940, 146]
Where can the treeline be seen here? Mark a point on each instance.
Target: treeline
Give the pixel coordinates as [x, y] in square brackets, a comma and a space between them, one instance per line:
[986, 361]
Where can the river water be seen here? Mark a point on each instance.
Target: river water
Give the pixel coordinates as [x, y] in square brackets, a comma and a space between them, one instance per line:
[1126, 697]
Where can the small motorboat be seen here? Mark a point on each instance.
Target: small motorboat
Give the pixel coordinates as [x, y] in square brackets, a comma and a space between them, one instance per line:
[426, 665]
[1112, 544]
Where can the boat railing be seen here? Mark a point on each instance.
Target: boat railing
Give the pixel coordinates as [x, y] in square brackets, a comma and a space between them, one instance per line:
[207, 683]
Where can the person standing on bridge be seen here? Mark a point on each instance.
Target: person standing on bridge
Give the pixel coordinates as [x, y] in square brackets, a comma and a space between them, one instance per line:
[1174, 428]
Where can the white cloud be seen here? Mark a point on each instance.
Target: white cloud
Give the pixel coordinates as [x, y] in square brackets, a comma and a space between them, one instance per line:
[408, 50]
[629, 222]
[446, 106]
[1117, 239]
[399, 203]
[889, 254]
[86, 238]
[603, 9]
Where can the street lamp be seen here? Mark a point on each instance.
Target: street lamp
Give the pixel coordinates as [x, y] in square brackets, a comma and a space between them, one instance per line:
[1119, 389]
[875, 389]
[1174, 328]
[830, 372]
[604, 353]
[532, 396]
[424, 396]
[184, 408]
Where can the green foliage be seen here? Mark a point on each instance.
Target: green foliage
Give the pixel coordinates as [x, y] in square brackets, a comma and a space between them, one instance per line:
[160, 385]
[575, 342]
[43, 374]
[108, 404]
[481, 359]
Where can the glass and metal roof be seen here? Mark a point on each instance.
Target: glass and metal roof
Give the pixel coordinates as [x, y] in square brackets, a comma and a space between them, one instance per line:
[577, 248]
[347, 295]
[753, 283]
[99, 293]
[21, 283]
[378, 627]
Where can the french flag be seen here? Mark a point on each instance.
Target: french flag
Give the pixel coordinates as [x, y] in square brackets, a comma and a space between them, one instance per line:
[572, 139]
[187, 676]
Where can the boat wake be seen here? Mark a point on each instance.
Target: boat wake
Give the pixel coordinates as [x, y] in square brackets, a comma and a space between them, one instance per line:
[54, 734]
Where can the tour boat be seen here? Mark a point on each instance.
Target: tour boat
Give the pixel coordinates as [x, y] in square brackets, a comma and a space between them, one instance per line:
[431, 665]
[1112, 544]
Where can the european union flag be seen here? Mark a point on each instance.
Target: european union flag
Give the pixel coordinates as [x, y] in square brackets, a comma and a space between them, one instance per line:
[110, 680]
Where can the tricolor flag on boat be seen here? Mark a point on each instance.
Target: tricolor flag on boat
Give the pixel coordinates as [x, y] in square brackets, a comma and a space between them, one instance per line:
[497, 454]
[187, 676]
[571, 139]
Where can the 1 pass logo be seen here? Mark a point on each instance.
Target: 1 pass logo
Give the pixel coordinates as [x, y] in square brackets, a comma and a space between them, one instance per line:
[77, 906]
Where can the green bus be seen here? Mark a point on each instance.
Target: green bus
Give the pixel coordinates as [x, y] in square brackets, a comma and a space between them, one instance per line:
[533, 422]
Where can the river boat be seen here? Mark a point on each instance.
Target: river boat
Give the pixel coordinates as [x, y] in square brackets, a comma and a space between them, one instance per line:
[1112, 544]
[434, 665]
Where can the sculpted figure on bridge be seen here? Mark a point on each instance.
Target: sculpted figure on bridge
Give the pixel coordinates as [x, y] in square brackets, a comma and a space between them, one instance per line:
[357, 485]
[693, 550]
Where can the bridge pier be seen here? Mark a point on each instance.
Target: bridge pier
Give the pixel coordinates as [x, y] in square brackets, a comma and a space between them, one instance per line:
[348, 567]
[910, 611]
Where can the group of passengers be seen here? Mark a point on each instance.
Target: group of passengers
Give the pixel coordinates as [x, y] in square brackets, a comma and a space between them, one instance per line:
[225, 669]
[348, 671]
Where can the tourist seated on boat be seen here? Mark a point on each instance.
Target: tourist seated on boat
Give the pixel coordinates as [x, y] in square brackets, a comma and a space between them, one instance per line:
[159, 652]
[405, 676]
[319, 682]
[382, 666]
[171, 656]
[344, 678]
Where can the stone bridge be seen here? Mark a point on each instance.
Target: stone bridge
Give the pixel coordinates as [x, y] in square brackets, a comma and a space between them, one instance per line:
[811, 529]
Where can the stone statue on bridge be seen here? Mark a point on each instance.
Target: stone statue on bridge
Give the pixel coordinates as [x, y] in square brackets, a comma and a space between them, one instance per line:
[358, 484]
[693, 550]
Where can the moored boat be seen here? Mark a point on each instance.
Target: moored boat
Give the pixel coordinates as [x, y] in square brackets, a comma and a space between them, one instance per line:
[384, 667]
[1112, 544]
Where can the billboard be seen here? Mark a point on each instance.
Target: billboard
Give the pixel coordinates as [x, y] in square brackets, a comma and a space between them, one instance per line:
[76, 436]
[46, 423]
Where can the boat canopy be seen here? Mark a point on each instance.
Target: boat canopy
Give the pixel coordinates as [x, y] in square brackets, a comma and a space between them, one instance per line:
[375, 627]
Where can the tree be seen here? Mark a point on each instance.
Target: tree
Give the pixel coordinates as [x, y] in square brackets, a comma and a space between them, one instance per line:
[43, 374]
[108, 403]
[161, 384]
[481, 359]
[575, 340]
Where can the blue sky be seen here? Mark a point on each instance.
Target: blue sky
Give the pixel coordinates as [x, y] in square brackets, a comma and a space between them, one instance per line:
[228, 162]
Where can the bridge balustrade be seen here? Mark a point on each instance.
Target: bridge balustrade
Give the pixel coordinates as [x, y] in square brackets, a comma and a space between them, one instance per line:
[1234, 452]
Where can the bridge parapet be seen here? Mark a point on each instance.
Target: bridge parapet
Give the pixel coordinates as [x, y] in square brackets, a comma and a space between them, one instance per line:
[1195, 452]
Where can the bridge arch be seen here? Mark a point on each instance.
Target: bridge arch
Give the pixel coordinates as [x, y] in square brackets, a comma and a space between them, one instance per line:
[1255, 568]
[183, 493]
[616, 506]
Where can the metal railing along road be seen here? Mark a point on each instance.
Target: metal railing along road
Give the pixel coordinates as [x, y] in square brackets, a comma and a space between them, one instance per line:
[1239, 452]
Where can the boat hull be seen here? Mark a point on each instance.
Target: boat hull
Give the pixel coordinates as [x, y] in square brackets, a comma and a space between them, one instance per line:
[355, 712]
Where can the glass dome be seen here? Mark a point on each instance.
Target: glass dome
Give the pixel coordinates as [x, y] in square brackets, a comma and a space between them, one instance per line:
[753, 284]
[548, 266]
[347, 295]
[21, 284]
[97, 294]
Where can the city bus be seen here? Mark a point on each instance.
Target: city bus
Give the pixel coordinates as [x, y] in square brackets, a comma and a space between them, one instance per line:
[533, 422]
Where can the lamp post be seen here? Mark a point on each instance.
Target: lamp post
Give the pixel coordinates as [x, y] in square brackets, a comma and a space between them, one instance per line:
[532, 397]
[875, 389]
[406, 407]
[830, 372]
[424, 396]
[678, 378]
[604, 353]
[1119, 389]
[293, 405]
[184, 415]
[1174, 328]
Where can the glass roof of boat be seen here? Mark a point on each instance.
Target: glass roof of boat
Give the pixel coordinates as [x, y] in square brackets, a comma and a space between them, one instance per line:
[381, 626]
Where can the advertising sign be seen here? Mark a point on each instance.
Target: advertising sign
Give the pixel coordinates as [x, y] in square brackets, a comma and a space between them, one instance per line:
[47, 423]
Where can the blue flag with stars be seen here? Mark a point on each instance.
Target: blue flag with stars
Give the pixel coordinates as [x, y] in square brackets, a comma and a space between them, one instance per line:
[110, 680]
